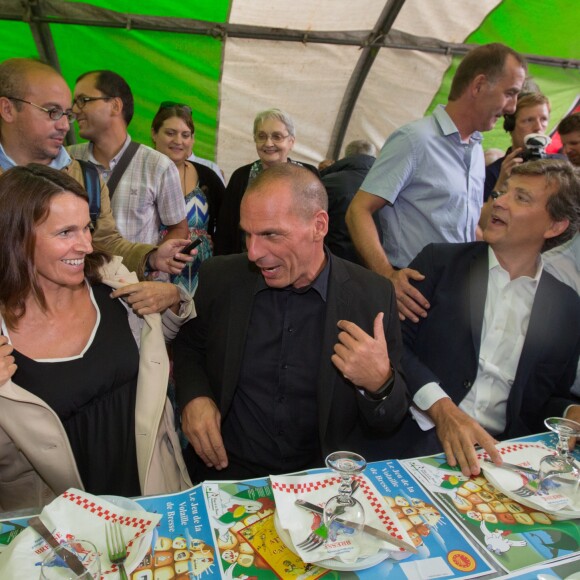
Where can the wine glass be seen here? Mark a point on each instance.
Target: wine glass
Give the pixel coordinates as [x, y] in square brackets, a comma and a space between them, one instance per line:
[54, 568]
[343, 513]
[561, 465]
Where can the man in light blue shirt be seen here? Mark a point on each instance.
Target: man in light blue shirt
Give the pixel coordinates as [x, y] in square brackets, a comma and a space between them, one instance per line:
[428, 179]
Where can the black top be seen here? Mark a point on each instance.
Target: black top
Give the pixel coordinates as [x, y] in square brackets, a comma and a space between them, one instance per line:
[94, 397]
[342, 180]
[274, 414]
[214, 189]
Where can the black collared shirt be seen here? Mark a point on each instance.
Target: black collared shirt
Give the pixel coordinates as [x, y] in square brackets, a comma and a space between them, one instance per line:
[273, 420]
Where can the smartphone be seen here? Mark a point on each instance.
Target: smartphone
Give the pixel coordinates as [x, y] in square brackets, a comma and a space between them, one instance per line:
[190, 247]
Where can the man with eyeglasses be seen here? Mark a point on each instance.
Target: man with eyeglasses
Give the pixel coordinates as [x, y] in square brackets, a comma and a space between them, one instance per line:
[147, 194]
[35, 117]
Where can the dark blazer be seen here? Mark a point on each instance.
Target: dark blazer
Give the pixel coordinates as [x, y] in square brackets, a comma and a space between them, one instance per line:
[444, 347]
[342, 180]
[209, 349]
[228, 239]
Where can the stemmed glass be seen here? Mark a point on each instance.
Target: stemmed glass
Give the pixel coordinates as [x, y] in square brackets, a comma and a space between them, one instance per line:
[343, 511]
[561, 465]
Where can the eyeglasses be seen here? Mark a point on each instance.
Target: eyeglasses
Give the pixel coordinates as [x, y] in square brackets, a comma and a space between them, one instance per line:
[275, 137]
[55, 113]
[171, 104]
[80, 102]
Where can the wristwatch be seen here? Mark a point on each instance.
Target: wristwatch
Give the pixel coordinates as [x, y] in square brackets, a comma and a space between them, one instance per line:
[384, 392]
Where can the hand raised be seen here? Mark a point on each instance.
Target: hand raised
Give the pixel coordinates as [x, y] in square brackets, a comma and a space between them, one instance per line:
[361, 358]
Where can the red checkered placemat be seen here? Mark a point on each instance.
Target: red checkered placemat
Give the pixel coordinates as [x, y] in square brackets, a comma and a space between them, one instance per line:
[376, 502]
[512, 448]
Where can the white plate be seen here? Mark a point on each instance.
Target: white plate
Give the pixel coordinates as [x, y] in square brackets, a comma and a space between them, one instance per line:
[333, 563]
[529, 455]
[145, 541]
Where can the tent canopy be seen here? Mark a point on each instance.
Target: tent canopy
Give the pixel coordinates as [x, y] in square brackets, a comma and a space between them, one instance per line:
[342, 70]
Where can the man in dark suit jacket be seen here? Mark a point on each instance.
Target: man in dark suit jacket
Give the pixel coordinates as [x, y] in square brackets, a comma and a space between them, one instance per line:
[498, 350]
[294, 353]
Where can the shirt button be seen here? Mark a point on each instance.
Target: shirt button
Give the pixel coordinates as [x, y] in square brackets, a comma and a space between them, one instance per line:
[467, 384]
[284, 367]
[291, 329]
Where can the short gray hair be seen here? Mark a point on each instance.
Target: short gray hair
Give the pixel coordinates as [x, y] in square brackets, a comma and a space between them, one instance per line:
[277, 114]
[360, 147]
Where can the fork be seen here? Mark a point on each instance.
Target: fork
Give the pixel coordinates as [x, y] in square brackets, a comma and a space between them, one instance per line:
[311, 542]
[116, 547]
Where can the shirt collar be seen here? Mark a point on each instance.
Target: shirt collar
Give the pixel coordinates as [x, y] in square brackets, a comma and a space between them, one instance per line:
[494, 263]
[320, 284]
[115, 159]
[61, 161]
[448, 127]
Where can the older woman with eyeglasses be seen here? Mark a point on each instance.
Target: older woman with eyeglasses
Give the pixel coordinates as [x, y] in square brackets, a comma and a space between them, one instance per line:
[172, 131]
[274, 135]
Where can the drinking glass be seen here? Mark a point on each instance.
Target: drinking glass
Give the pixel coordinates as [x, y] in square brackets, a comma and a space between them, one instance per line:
[343, 513]
[54, 568]
[563, 466]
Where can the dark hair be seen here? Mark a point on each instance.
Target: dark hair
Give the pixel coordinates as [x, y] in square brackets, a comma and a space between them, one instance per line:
[564, 203]
[183, 112]
[489, 60]
[524, 100]
[113, 85]
[569, 124]
[25, 196]
[309, 194]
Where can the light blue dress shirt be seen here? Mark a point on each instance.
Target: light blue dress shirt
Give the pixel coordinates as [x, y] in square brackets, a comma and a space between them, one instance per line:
[59, 162]
[433, 185]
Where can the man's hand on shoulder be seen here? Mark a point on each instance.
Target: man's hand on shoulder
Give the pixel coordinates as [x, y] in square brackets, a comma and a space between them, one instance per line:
[410, 302]
[459, 433]
[201, 424]
[149, 297]
[361, 358]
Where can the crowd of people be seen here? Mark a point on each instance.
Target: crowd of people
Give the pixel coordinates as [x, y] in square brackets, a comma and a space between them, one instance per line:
[395, 305]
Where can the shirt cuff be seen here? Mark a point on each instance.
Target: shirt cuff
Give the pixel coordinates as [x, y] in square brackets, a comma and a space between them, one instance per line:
[428, 395]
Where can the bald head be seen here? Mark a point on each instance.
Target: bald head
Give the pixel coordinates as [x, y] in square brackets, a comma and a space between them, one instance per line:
[308, 193]
[16, 75]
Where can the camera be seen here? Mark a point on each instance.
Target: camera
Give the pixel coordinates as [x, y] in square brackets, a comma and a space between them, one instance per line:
[535, 144]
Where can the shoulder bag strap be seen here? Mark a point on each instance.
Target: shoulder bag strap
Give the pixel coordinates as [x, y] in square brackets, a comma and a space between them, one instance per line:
[123, 163]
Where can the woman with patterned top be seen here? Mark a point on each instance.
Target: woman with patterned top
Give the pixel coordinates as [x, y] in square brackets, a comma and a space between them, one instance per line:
[274, 135]
[172, 131]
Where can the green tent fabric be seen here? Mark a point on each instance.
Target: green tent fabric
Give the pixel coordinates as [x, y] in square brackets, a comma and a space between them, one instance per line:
[343, 71]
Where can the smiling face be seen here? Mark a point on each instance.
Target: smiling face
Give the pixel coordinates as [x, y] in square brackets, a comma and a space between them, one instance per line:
[519, 221]
[271, 153]
[32, 136]
[286, 246]
[530, 120]
[174, 139]
[63, 240]
[495, 99]
[95, 116]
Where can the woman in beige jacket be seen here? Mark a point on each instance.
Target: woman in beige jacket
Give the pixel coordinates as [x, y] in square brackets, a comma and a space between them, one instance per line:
[82, 378]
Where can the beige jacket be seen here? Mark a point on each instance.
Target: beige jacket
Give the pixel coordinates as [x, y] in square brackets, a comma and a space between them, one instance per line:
[36, 461]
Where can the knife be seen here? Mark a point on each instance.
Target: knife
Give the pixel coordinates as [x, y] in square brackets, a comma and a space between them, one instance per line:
[70, 558]
[514, 467]
[382, 535]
